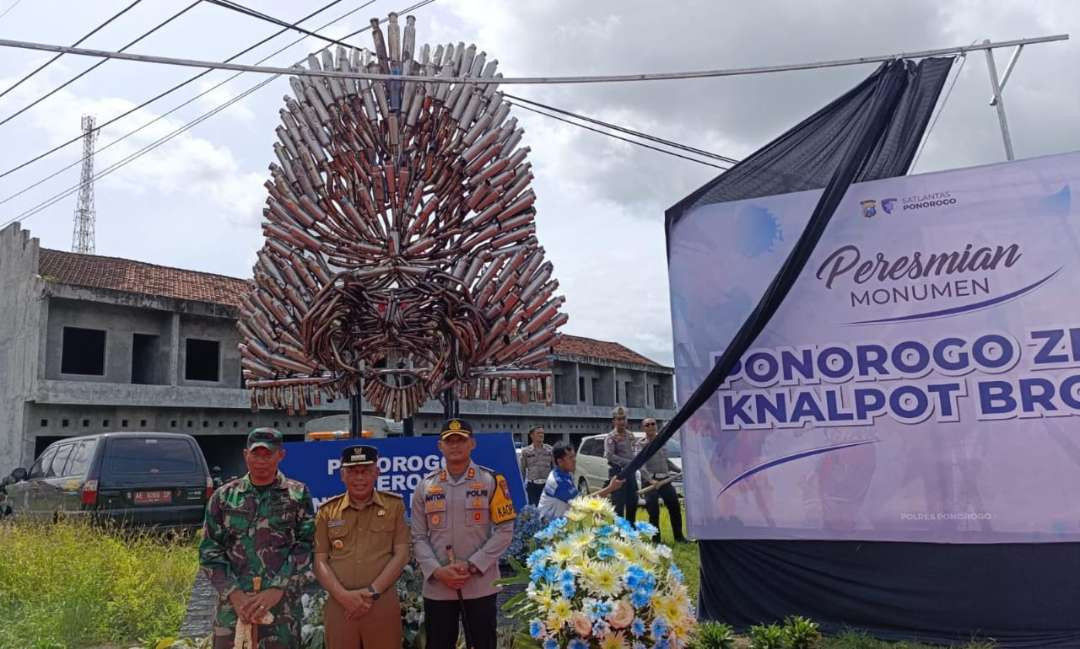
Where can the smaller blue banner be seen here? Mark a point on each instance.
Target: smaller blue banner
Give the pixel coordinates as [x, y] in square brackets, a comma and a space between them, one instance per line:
[403, 462]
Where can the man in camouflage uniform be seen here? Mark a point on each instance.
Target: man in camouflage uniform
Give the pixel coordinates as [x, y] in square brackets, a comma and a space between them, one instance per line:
[259, 526]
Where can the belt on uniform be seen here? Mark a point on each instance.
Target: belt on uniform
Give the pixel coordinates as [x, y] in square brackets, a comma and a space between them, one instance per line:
[659, 476]
[540, 481]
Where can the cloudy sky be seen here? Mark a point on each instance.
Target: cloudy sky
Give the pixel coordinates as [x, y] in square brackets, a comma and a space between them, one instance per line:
[195, 202]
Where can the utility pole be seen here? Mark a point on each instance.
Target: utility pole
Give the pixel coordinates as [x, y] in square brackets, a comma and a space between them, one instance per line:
[82, 239]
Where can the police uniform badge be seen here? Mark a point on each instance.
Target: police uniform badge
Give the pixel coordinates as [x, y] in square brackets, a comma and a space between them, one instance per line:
[502, 506]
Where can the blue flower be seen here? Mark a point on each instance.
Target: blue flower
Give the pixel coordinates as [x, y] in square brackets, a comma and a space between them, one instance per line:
[577, 643]
[599, 609]
[635, 576]
[567, 589]
[646, 528]
[604, 531]
[637, 627]
[551, 573]
[536, 573]
[605, 552]
[552, 643]
[676, 573]
[537, 555]
[625, 527]
[640, 645]
[536, 629]
[639, 598]
[663, 643]
[600, 628]
[659, 628]
[566, 576]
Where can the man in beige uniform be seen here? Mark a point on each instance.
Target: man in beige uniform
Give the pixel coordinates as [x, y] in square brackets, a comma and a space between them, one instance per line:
[536, 463]
[361, 546]
[462, 522]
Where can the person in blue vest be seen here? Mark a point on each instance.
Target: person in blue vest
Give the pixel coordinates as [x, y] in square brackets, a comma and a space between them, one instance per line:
[559, 489]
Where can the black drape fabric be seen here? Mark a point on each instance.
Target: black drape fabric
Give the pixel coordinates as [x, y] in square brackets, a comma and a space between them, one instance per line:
[1020, 595]
[874, 129]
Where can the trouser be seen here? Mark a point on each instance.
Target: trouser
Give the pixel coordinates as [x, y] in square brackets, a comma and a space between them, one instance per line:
[625, 497]
[441, 622]
[284, 633]
[379, 628]
[534, 490]
[671, 501]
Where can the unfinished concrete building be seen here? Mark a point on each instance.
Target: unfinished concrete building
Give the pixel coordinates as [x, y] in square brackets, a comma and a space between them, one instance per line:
[91, 344]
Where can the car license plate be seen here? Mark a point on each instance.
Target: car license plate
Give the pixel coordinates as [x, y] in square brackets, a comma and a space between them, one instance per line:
[152, 497]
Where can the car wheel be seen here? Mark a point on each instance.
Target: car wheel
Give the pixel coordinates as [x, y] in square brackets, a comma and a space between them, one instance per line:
[583, 486]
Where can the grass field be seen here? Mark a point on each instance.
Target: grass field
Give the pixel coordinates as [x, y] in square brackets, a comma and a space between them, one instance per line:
[69, 585]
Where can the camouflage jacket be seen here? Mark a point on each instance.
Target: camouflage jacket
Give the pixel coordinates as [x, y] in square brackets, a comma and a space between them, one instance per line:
[251, 533]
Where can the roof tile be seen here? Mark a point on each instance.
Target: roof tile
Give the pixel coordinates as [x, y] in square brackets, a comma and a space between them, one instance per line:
[138, 277]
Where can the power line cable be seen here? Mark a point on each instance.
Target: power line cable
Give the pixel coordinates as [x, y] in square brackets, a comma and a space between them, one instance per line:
[237, 7]
[646, 136]
[10, 7]
[617, 137]
[75, 44]
[189, 125]
[97, 65]
[164, 93]
[498, 79]
[623, 129]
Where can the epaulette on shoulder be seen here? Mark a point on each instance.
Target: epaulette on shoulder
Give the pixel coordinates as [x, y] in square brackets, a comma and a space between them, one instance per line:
[487, 470]
[334, 499]
[433, 474]
[392, 494]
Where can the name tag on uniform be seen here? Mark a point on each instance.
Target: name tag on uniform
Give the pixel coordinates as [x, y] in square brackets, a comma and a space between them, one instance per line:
[434, 503]
[335, 522]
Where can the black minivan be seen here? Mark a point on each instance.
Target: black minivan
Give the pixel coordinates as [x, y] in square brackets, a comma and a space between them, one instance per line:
[156, 479]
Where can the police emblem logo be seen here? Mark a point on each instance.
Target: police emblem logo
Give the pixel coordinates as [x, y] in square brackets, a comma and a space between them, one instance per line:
[869, 208]
[477, 517]
[436, 519]
[338, 544]
[455, 425]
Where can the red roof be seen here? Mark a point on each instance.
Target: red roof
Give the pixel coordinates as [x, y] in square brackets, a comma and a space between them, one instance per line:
[130, 276]
[578, 346]
[137, 277]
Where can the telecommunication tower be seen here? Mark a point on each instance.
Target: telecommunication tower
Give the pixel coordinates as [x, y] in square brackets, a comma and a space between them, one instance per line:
[82, 239]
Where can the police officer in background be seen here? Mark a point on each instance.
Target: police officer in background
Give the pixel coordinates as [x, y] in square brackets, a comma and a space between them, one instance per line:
[655, 471]
[536, 463]
[361, 545]
[462, 522]
[618, 451]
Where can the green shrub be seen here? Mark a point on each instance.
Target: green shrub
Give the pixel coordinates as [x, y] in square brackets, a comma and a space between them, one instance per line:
[70, 584]
[713, 635]
[801, 633]
[767, 636]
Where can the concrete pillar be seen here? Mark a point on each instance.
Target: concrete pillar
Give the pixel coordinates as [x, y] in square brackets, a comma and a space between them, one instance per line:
[174, 350]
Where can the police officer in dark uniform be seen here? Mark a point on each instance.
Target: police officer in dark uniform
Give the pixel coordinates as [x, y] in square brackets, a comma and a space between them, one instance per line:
[462, 522]
[361, 546]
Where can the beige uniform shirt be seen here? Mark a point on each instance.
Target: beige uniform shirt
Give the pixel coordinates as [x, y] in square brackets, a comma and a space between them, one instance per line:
[536, 463]
[656, 467]
[472, 513]
[360, 539]
[619, 449]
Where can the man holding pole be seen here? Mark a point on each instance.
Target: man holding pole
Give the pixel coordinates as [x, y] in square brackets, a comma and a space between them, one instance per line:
[462, 522]
[361, 545]
[618, 451]
[256, 549]
[656, 478]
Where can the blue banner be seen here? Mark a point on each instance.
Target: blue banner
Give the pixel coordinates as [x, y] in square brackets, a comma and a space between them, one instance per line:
[403, 462]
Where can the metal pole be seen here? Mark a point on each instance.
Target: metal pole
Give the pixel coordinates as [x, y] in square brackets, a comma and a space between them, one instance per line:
[356, 413]
[999, 103]
[1008, 72]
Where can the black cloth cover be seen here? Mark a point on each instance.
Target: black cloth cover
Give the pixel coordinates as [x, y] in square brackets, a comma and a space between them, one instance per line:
[1021, 595]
